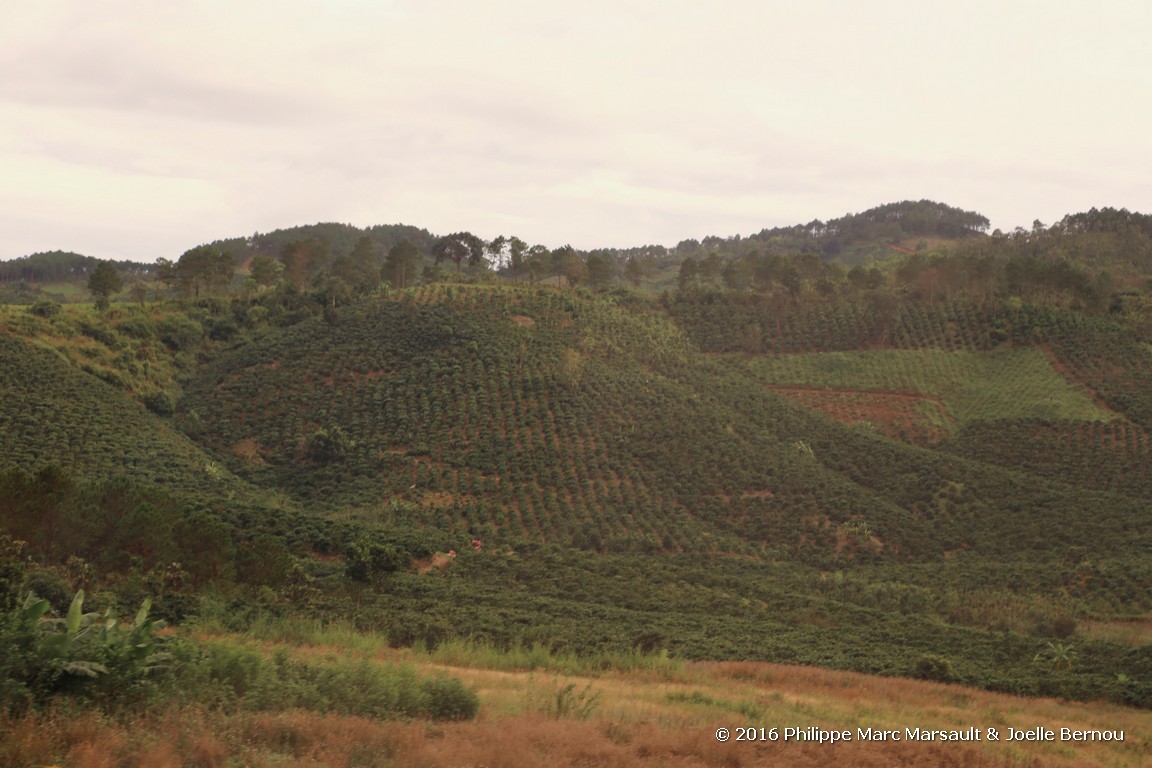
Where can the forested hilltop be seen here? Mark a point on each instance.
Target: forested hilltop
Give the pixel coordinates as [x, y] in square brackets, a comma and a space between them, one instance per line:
[891, 443]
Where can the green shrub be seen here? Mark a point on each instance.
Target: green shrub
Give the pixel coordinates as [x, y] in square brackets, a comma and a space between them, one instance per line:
[241, 677]
[328, 445]
[14, 564]
[371, 560]
[138, 327]
[89, 655]
[256, 316]
[107, 375]
[159, 403]
[180, 333]
[932, 667]
[447, 698]
[102, 334]
[47, 583]
[236, 670]
[45, 308]
[221, 329]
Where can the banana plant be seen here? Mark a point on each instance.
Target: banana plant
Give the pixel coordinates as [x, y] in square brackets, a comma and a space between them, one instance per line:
[60, 636]
[80, 642]
[137, 643]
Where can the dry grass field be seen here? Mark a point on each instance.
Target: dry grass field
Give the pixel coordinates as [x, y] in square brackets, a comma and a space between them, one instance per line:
[665, 716]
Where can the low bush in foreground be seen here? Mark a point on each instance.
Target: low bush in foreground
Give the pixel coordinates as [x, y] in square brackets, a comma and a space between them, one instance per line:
[239, 678]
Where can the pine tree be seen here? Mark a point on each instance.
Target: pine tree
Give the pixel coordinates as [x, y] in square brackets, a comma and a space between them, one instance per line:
[103, 282]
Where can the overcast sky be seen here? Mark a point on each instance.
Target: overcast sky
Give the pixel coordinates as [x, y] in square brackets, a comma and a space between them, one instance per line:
[132, 129]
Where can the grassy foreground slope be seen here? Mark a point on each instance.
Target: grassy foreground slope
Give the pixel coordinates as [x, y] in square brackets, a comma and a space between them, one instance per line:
[546, 710]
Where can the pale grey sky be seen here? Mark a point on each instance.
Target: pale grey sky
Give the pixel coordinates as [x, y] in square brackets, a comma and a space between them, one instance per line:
[133, 129]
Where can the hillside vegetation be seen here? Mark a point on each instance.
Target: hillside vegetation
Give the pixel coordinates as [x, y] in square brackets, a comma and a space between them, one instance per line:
[56, 414]
[914, 468]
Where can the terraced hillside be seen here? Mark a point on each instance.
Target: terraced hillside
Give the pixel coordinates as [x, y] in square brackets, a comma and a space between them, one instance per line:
[56, 414]
[514, 412]
[1056, 394]
[750, 322]
[575, 419]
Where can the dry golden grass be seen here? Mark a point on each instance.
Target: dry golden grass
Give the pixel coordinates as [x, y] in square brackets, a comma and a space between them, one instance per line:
[187, 739]
[649, 718]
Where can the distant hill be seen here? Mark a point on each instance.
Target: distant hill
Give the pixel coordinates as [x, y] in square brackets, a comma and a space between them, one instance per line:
[58, 266]
[55, 275]
[339, 239]
[931, 235]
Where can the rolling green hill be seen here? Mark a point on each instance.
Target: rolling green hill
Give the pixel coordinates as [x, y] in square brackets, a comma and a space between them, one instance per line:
[56, 414]
[574, 419]
[874, 477]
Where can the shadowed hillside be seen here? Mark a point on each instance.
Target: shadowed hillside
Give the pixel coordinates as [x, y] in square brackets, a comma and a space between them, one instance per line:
[56, 414]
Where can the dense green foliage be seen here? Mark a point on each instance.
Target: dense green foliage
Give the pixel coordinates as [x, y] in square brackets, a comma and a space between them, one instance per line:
[96, 657]
[92, 654]
[103, 282]
[56, 414]
[1113, 456]
[238, 678]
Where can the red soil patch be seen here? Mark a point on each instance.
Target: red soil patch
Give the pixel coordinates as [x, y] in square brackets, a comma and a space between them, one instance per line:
[439, 562]
[893, 414]
[445, 499]
[1070, 376]
[355, 378]
[248, 450]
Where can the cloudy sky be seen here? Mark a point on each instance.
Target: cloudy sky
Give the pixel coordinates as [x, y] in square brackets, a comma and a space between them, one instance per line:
[138, 129]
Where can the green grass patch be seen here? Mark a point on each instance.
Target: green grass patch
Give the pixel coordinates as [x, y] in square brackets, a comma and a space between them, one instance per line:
[701, 700]
[973, 386]
[456, 652]
[68, 290]
[518, 657]
[239, 677]
[303, 631]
